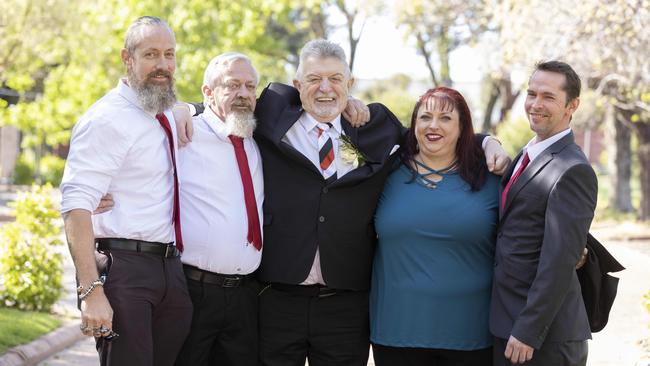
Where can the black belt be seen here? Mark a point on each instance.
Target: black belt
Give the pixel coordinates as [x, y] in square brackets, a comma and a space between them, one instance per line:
[166, 250]
[212, 278]
[306, 290]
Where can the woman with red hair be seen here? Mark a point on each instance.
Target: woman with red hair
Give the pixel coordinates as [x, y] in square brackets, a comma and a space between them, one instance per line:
[436, 222]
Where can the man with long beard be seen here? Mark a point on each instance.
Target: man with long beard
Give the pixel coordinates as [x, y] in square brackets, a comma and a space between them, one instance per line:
[125, 145]
[221, 195]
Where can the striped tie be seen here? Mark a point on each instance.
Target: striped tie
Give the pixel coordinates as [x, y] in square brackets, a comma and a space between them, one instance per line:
[326, 152]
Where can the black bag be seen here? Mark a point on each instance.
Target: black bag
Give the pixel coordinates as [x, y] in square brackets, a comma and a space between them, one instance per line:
[598, 287]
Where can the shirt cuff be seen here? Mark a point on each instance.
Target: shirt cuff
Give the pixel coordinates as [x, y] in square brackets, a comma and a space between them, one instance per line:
[485, 141]
[192, 109]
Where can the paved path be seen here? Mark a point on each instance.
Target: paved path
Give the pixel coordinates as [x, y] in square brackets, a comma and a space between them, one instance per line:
[617, 345]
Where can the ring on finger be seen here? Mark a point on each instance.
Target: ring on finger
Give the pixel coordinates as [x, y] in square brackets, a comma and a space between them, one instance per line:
[83, 327]
[104, 330]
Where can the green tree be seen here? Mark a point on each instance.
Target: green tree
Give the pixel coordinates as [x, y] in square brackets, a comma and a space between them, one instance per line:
[79, 62]
[439, 27]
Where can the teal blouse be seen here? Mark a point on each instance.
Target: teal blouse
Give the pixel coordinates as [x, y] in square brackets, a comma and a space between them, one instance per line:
[432, 272]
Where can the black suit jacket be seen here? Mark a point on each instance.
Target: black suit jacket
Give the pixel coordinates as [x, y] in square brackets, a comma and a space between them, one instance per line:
[542, 232]
[598, 287]
[302, 213]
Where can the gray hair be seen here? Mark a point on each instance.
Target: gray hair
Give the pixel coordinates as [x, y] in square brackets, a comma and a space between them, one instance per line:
[214, 69]
[321, 49]
[135, 32]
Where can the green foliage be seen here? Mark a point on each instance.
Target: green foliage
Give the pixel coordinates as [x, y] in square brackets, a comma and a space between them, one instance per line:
[24, 171]
[19, 327]
[31, 266]
[66, 53]
[514, 133]
[50, 169]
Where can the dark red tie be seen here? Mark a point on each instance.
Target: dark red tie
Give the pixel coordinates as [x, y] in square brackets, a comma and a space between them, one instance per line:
[176, 215]
[254, 235]
[524, 162]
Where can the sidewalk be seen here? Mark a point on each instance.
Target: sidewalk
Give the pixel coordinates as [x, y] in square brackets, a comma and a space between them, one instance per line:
[617, 345]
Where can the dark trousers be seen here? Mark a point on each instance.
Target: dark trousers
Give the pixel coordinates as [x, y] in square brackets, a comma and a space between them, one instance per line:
[328, 331]
[569, 353]
[151, 310]
[403, 356]
[224, 325]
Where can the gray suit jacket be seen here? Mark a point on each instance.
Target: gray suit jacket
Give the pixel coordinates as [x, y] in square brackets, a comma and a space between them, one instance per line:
[542, 231]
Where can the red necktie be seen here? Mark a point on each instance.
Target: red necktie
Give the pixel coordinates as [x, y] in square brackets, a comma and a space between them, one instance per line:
[524, 162]
[326, 152]
[164, 123]
[254, 236]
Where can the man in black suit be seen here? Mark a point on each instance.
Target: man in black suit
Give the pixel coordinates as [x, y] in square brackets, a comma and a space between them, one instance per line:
[318, 214]
[548, 197]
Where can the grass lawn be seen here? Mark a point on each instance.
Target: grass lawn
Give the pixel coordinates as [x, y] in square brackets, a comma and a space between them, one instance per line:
[18, 327]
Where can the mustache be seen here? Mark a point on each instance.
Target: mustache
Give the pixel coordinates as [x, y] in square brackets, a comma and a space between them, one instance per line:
[241, 102]
[158, 73]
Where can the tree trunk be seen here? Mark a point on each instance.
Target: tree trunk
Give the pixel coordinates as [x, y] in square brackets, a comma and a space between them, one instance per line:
[620, 160]
[489, 108]
[508, 97]
[443, 56]
[642, 129]
[422, 47]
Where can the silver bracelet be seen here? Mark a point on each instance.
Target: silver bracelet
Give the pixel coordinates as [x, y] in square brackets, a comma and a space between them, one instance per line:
[83, 294]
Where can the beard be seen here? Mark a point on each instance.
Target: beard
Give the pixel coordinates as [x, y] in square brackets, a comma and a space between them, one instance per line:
[153, 97]
[241, 124]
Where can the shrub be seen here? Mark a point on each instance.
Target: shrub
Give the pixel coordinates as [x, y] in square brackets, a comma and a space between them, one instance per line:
[31, 266]
[52, 169]
[24, 171]
[514, 133]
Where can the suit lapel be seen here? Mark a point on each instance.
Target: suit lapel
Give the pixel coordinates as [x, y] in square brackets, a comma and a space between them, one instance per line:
[504, 181]
[363, 171]
[535, 167]
[286, 120]
[350, 131]
[506, 176]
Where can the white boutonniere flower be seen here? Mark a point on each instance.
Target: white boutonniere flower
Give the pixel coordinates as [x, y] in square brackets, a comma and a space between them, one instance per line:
[349, 153]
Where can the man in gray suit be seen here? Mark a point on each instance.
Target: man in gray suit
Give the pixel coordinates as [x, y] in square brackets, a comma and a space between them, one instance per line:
[548, 197]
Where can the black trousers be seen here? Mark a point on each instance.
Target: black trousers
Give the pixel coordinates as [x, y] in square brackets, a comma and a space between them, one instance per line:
[569, 353]
[403, 356]
[151, 310]
[328, 331]
[224, 325]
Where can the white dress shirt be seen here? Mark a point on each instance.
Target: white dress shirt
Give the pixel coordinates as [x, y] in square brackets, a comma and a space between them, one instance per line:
[534, 148]
[118, 148]
[303, 136]
[213, 214]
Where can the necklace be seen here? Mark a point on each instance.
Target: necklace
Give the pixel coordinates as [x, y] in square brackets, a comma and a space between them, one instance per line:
[424, 179]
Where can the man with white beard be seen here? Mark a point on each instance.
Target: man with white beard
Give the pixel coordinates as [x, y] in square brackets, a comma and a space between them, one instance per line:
[221, 195]
[127, 260]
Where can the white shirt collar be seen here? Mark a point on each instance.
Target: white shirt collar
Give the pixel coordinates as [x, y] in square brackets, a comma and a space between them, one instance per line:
[216, 124]
[309, 123]
[129, 94]
[534, 148]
